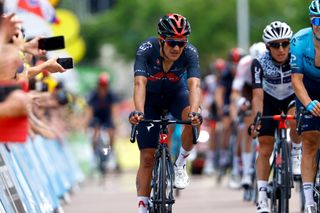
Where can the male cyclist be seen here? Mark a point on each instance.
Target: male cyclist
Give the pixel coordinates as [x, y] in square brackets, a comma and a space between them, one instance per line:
[241, 96]
[158, 84]
[272, 94]
[305, 48]
[101, 107]
[223, 108]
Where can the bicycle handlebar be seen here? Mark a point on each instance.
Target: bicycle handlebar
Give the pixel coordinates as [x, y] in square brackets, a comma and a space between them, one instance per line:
[195, 133]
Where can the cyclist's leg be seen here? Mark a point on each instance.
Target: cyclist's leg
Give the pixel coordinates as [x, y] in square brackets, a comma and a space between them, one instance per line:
[310, 144]
[179, 107]
[225, 137]
[246, 155]
[266, 142]
[296, 143]
[147, 139]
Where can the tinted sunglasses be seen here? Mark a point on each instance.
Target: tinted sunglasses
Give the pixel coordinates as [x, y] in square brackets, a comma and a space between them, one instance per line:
[277, 45]
[315, 21]
[173, 43]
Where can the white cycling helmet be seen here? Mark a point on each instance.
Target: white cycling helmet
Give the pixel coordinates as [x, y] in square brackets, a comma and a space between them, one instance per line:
[257, 49]
[275, 31]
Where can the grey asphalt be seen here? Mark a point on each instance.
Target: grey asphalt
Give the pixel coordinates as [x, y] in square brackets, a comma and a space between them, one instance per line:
[203, 195]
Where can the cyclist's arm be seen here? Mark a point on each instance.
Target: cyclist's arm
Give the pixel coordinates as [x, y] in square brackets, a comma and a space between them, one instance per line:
[139, 95]
[234, 98]
[299, 88]
[257, 87]
[257, 101]
[195, 94]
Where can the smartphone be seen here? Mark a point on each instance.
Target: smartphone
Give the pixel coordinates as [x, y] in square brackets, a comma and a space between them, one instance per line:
[51, 43]
[66, 63]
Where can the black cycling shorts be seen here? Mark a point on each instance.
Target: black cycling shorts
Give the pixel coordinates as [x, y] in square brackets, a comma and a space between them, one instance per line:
[273, 106]
[174, 102]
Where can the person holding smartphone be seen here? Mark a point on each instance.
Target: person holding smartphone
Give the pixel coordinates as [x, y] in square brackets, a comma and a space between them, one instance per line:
[159, 68]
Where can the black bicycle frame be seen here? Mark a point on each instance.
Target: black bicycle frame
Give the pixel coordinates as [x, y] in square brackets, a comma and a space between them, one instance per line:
[163, 172]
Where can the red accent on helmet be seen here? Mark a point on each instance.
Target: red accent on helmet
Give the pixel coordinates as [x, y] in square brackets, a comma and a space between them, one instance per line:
[235, 55]
[174, 25]
[219, 65]
[103, 79]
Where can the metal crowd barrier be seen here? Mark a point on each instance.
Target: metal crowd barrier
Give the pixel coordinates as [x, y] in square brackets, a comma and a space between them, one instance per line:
[36, 176]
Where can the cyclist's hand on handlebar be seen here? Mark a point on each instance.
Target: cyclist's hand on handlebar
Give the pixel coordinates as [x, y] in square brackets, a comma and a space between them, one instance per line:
[196, 118]
[314, 107]
[253, 132]
[135, 117]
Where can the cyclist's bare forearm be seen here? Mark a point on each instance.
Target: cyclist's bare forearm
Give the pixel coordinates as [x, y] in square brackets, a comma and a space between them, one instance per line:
[195, 94]
[139, 95]
[299, 89]
[257, 101]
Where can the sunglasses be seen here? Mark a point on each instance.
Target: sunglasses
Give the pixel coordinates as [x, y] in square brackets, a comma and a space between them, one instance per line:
[173, 43]
[315, 21]
[277, 45]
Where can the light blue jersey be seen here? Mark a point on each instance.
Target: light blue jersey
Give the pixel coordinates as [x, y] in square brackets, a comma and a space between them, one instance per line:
[302, 51]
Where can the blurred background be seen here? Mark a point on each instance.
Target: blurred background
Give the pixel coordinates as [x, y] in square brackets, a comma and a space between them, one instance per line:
[102, 35]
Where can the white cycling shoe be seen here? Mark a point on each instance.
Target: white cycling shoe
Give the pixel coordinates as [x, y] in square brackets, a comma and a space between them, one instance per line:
[262, 207]
[310, 209]
[181, 179]
[296, 164]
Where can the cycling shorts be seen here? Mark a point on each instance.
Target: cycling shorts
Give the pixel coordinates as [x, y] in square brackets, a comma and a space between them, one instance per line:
[273, 106]
[97, 122]
[148, 134]
[309, 122]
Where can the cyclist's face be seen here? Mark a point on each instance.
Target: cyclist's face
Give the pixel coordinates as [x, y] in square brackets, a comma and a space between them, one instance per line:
[279, 50]
[174, 47]
[315, 22]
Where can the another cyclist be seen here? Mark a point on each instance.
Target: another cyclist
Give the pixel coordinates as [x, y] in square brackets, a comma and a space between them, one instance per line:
[223, 107]
[158, 84]
[241, 97]
[210, 114]
[305, 47]
[272, 94]
[102, 103]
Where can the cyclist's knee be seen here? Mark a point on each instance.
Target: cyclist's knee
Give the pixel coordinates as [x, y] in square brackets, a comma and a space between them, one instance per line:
[146, 158]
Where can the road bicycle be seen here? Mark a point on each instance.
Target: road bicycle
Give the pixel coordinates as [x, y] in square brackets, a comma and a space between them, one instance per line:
[279, 190]
[162, 196]
[316, 185]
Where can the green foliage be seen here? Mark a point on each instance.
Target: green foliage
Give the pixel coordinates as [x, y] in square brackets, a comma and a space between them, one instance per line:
[213, 23]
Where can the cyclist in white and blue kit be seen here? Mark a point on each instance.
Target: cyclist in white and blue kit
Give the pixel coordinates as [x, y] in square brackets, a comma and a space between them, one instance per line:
[272, 94]
[305, 49]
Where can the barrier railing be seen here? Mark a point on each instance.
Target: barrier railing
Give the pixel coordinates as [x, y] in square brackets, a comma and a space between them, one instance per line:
[36, 175]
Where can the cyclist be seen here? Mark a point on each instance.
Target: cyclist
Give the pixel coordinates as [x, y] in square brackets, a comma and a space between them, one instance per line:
[272, 93]
[223, 108]
[305, 47]
[241, 97]
[210, 84]
[158, 84]
[101, 114]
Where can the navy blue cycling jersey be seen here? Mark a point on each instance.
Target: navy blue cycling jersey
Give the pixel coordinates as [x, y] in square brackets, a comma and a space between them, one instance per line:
[226, 81]
[102, 106]
[148, 63]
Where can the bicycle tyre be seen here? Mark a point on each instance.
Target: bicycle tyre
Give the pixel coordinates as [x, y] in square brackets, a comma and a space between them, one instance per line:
[285, 186]
[162, 181]
[154, 200]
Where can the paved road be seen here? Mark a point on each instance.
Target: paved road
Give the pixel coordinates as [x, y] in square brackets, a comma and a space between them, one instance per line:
[117, 195]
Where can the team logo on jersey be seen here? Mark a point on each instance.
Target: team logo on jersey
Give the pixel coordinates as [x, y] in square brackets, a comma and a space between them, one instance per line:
[257, 75]
[143, 47]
